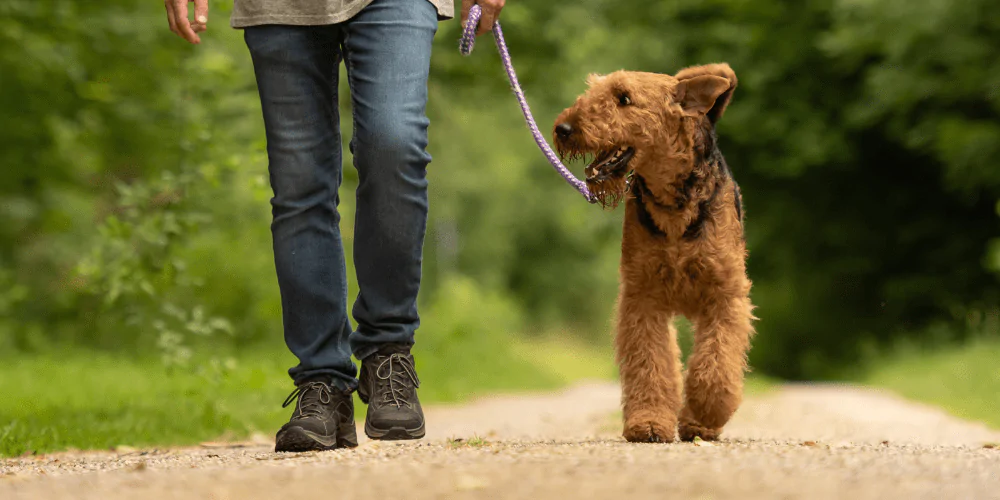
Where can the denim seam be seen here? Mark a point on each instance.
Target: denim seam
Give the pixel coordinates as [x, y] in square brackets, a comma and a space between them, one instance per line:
[350, 84]
[354, 132]
[340, 166]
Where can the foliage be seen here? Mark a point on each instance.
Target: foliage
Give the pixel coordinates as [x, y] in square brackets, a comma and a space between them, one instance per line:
[864, 158]
[134, 272]
[864, 134]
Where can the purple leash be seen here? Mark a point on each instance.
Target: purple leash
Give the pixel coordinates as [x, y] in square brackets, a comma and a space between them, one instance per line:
[468, 41]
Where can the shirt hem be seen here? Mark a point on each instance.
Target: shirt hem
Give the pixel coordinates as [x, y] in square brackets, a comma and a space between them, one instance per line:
[291, 20]
[312, 20]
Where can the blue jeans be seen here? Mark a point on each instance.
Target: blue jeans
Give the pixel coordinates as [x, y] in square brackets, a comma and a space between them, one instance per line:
[386, 48]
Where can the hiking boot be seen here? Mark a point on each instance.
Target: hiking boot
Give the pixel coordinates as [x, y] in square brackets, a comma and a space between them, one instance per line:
[323, 419]
[388, 384]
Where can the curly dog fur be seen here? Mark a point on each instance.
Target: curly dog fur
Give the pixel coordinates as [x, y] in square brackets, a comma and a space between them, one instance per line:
[683, 251]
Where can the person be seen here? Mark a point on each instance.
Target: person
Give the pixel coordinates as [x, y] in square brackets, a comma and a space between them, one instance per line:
[296, 47]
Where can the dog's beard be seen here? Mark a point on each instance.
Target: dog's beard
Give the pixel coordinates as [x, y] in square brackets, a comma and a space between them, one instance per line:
[610, 191]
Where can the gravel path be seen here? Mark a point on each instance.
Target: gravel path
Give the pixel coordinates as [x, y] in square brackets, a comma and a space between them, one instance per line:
[812, 442]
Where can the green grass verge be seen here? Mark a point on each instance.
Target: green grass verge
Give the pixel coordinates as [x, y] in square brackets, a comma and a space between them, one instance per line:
[93, 400]
[87, 400]
[963, 380]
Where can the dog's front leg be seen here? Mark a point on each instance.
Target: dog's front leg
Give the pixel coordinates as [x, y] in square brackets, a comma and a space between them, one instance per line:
[649, 366]
[716, 368]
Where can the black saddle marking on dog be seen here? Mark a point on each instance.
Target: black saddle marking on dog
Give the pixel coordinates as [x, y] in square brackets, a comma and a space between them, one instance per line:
[708, 153]
[694, 229]
[684, 190]
[642, 193]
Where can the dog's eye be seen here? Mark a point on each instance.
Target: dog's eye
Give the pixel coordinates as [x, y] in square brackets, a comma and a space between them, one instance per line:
[623, 99]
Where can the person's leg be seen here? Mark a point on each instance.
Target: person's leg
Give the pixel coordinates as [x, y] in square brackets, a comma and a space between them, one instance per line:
[297, 73]
[387, 50]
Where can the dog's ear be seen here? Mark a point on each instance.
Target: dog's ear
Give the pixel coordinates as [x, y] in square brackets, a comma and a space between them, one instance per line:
[706, 89]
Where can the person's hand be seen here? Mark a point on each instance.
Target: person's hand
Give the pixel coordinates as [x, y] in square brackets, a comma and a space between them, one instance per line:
[177, 16]
[491, 11]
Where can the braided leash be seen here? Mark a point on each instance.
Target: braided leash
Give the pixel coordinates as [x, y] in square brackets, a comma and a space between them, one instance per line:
[465, 47]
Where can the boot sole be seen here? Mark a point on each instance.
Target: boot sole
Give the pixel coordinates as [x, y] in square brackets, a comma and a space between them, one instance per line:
[394, 433]
[296, 439]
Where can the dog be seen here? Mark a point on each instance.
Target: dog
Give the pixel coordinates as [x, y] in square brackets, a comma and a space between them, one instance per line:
[653, 142]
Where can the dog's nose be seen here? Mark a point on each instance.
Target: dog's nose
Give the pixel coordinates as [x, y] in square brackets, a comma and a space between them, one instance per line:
[564, 130]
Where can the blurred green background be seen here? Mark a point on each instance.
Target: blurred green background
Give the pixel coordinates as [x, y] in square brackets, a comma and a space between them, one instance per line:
[137, 289]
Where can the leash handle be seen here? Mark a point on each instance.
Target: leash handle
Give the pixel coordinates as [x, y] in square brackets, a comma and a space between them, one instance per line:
[468, 41]
[465, 47]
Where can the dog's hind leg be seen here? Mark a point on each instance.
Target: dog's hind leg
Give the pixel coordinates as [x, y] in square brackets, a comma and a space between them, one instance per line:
[649, 366]
[714, 384]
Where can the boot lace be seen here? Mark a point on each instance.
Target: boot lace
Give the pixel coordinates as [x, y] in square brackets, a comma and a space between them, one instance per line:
[398, 377]
[312, 397]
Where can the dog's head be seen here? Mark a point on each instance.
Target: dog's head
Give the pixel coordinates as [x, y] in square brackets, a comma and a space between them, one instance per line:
[632, 121]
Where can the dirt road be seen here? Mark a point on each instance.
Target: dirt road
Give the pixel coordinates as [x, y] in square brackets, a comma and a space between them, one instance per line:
[813, 442]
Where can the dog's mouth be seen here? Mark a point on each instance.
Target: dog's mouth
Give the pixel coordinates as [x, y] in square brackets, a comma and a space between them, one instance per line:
[608, 164]
[607, 175]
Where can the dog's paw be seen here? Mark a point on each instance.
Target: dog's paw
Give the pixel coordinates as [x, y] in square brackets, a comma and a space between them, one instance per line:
[690, 430]
[650, 431]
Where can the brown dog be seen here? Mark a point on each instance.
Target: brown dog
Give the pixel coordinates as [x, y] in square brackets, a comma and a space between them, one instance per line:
[683, 250]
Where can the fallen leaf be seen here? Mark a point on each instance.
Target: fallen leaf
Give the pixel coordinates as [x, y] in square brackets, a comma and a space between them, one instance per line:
[809, 443]
[139, 467]
[698, 441]
[885, 443]
[991, 446]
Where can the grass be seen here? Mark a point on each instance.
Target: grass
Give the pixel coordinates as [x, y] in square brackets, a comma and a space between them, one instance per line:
[90, 400]
[80, 399]
[473, 442]
[963, 380]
